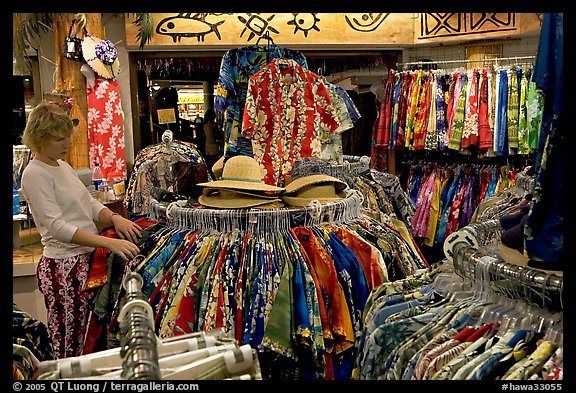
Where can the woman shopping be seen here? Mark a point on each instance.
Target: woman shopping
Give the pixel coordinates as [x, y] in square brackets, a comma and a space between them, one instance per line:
[64, 212]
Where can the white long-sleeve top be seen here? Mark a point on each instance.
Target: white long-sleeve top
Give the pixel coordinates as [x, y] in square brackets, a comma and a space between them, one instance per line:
[60, 204]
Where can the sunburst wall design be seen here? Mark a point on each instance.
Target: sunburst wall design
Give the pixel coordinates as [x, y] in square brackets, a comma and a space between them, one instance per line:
[433, 25]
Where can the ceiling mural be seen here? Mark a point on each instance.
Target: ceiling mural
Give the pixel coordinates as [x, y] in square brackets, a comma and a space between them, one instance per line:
[368, 30]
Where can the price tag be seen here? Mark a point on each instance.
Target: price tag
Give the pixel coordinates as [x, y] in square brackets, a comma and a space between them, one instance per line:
[166, 116]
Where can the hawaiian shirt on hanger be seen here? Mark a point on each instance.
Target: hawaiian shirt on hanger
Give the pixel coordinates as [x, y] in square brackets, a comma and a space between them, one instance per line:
[237, 66]
[287, 109]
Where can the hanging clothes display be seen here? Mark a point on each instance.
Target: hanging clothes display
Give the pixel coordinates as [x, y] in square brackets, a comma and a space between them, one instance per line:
[153, 168]
[483, 111]
[21, 156]
[347, 114]
[106, 127]
[237, 66]
[293, 291]
[31, 342]
[448, 196]
[464, 323]
[280, 100]
[545, 226]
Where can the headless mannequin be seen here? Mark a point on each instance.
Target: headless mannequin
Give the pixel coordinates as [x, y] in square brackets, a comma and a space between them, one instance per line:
[89, 74]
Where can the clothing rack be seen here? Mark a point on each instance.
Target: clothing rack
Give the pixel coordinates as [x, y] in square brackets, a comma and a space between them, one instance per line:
[352, 165]
[21, 156]
[470, 247]
[138, 344]
[258, 220]
[525, 181]
[494, 59]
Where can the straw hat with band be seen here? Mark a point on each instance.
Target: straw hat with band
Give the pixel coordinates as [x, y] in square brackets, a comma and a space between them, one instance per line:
[228, 199]
[257, 194]
[322, 188]
[242, 173]
[101, 56]
[218, 167]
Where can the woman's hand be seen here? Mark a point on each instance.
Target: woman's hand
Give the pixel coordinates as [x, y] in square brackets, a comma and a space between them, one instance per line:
[124, 248]
[126, 228]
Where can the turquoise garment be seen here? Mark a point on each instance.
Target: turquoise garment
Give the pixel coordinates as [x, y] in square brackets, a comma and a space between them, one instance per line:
[501, 114]
[382, 342]
[395, 364]
[156, 263]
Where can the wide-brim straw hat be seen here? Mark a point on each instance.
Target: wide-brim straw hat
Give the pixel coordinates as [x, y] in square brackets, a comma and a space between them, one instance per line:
[229, 199]
[242, 173]
[258, 194]
[101, 56]
[321, 188]
[218, 167]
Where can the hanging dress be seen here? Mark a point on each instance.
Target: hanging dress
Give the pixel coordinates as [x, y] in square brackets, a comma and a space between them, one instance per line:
[106, 143]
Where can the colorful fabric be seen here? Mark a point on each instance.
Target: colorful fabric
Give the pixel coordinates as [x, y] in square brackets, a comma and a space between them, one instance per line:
[332, 141]
[441, 106]
[106, 143]
[236, 68]
[31, 333]
[523, 146]
[534, 109]
[484, 129]
[61, 282]
[470, 133]
[454, 94]
[503, 114]
[512, 112]
[332, 291]
[431, 139]
[459, 116]
[412, 110]
[423, 112]
[277, 119]
[385, 116]
[396, 104]
[403, 105]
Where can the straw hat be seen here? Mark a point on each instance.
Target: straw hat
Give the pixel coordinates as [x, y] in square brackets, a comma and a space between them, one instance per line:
[101, 56]
[218, 167]
[322, 188]
[242, 173]
[229, 199]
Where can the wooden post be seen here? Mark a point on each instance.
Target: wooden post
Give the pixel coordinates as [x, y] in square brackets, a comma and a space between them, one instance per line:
[71, 82]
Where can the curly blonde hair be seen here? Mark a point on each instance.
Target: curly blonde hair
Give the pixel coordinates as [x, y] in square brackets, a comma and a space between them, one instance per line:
[46, 120]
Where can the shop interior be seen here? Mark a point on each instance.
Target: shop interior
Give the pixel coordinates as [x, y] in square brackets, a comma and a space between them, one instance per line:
[186, 82]
[435, 220]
